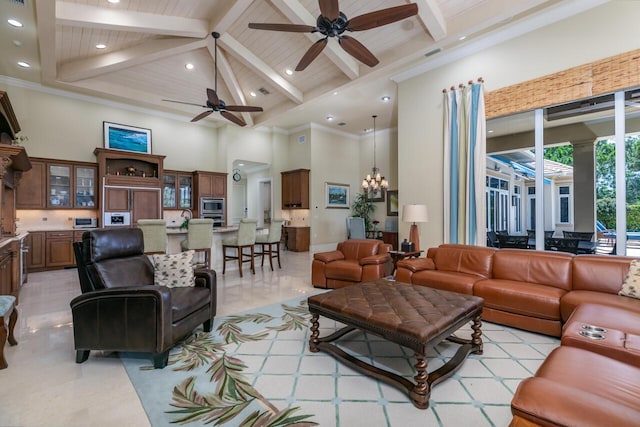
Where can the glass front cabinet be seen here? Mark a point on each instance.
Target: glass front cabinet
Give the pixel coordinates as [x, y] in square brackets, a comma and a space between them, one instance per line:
[176, 190]
[59, 186]
[71, 186]
[85, 187]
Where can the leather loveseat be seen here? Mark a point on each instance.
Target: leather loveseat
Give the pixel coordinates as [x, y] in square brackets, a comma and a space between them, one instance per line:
[353, 261]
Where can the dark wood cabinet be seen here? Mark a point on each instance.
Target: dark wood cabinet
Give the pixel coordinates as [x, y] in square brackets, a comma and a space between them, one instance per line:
[36, 260]
[177, 190]
[142, 203]
[391, 237]
[32, 188]
[298, 238]
[295, 189]
[210, 184]
[6, 271]
[59, 249]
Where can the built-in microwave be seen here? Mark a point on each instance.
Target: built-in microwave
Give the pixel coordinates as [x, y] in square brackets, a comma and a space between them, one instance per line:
[85, 222]
[211, 205]
[117, 219]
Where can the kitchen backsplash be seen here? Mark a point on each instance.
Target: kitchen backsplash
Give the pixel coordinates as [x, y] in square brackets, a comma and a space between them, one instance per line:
[34, 219]
[297, 217]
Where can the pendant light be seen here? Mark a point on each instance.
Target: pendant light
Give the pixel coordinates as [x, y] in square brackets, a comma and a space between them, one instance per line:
[374, 181]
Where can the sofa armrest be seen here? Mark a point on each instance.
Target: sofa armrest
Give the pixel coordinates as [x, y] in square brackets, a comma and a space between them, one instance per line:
[328, 256]
[95, 313]
[417, 264]
[207, 278]
[375, 259]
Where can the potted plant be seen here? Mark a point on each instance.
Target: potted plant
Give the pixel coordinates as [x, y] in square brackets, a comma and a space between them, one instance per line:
[363, 207]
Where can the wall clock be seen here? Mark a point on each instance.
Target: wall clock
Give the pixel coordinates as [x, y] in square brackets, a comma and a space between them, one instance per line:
[236, 175]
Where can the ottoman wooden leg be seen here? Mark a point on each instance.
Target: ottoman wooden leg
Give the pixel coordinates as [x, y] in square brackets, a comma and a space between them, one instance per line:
[12, 325]
[313, 340]
[476, 335]
[3, 340]
[422, 389]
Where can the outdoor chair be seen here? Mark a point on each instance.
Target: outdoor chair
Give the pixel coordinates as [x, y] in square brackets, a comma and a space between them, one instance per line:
[561, 245]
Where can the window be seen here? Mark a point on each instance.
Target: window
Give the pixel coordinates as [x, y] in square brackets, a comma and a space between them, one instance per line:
[516, 202]
[497, 204]
[564, 204]
[531, 198]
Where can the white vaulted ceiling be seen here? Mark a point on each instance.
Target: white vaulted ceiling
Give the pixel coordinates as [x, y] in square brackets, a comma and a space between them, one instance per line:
[150, 41]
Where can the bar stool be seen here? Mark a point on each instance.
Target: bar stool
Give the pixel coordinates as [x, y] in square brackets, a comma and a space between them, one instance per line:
[154, 232]
[267, 242]
[7, 311]
[200, 238]
[246, 239]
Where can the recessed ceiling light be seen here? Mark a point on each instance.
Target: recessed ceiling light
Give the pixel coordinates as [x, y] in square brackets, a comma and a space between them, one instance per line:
[329, 118]
[114, 1]
[462, 37]
[101, 46]
[490, 131]
[188, 66]
[335, 93]
[240, 164]
[252, 93]
[385, 98]
[15, 23]
[289, 71]
[24, 64]
[17, 43]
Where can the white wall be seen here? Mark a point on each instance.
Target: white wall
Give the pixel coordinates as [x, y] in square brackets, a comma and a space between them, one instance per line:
[593, 35]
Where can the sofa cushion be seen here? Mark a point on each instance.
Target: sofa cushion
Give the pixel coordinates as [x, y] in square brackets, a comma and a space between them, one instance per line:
[359, 248]
[445, 280]
[573, 299]
[631, 285]
[575, 387]
[529, 299]
[471, 260]
[344, 270]
[544, 268]
[173, 270]
[600, 273]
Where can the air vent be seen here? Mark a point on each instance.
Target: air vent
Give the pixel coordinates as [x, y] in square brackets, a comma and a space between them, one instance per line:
[341, 124]
[20, 2]
[263, 91]
[433, 52]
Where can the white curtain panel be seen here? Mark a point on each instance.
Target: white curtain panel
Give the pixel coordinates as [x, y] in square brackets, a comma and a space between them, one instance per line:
[465, 144]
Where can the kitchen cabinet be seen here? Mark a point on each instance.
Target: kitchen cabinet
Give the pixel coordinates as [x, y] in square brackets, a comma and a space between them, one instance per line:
[177, 190]
[59, 249]
[13, 163]
[210, 184]
[57, 184]
[298, 238]
[295, 189]
[36, 259]
[142, 203]
[32, 188]
[6, 271]
[126, 168]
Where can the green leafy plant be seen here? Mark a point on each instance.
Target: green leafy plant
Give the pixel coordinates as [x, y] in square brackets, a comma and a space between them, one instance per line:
[185, 224]
[363, 207]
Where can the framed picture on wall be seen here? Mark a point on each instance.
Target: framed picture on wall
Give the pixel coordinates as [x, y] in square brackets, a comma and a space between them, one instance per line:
[126, 138]
[392, 203]
[336, 195]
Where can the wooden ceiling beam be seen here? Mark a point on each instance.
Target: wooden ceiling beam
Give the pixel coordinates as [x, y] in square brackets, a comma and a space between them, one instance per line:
[232, 15]
[46, 25]
[298, 14]
[248, 58]
[152, 50]
[431, 16]
[79, 15]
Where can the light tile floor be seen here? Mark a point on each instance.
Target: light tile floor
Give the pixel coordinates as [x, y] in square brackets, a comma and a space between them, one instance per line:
[43, 385]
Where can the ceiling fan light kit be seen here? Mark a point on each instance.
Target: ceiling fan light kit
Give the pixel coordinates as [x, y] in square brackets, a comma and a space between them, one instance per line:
[333, 23]
[214, 103]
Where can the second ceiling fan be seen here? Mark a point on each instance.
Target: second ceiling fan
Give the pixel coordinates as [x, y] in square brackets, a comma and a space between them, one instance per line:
[214, 103]
[333, 23]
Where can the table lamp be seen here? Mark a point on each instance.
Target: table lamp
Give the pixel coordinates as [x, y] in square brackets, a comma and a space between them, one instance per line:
[414, 214]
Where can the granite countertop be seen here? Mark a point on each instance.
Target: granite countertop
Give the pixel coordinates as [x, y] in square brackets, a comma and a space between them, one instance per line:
[6, 240]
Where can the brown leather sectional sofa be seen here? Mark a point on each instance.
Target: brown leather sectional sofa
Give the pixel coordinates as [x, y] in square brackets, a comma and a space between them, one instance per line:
[593, 378]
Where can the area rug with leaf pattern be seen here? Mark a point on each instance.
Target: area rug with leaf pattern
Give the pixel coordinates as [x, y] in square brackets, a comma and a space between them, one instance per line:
[255, 369]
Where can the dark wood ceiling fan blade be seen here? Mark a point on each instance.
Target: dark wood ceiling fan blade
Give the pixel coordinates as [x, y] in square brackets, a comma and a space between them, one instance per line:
[356, 49]
[237, 120]
[382, 17]
[212, 96]
[243, 108]
[330, 9]
[186, 103]
[201, 116]
[311, 54]
[291, 28]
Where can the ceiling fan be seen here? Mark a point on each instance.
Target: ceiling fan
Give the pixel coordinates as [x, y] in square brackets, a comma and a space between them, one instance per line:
[333, 23]
[216, 104]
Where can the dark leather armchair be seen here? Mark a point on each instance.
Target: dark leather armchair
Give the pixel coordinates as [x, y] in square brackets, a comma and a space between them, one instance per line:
[120, 308]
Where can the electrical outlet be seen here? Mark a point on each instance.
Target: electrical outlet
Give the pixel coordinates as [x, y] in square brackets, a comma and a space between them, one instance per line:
[44, 219]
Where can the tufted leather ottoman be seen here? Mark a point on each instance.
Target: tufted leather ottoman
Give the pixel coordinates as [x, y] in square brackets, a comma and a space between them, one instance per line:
[416, 317]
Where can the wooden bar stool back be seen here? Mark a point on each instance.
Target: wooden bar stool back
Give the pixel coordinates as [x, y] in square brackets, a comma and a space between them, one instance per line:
[270, 243]
[246, 239]
[154, 233]
[200, 238]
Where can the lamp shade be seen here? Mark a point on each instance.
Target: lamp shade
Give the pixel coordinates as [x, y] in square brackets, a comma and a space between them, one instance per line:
[415, 213]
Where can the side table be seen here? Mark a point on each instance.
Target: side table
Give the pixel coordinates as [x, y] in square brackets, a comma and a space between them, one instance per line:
[398, 255]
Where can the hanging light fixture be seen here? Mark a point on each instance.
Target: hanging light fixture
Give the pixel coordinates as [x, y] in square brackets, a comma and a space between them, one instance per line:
[374, 181]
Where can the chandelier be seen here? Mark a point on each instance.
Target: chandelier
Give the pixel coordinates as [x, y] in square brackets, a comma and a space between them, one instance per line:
[374, 181]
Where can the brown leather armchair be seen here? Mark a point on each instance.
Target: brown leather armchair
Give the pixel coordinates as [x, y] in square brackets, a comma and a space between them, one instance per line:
[354, 261]
[120, 308]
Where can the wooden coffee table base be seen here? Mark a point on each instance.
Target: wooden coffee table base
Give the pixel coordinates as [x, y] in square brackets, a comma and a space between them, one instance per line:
[420, 391]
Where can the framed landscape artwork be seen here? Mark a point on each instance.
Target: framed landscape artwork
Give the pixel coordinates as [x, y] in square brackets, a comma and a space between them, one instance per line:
[127, 138]
[392, 203]
[336, 195]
